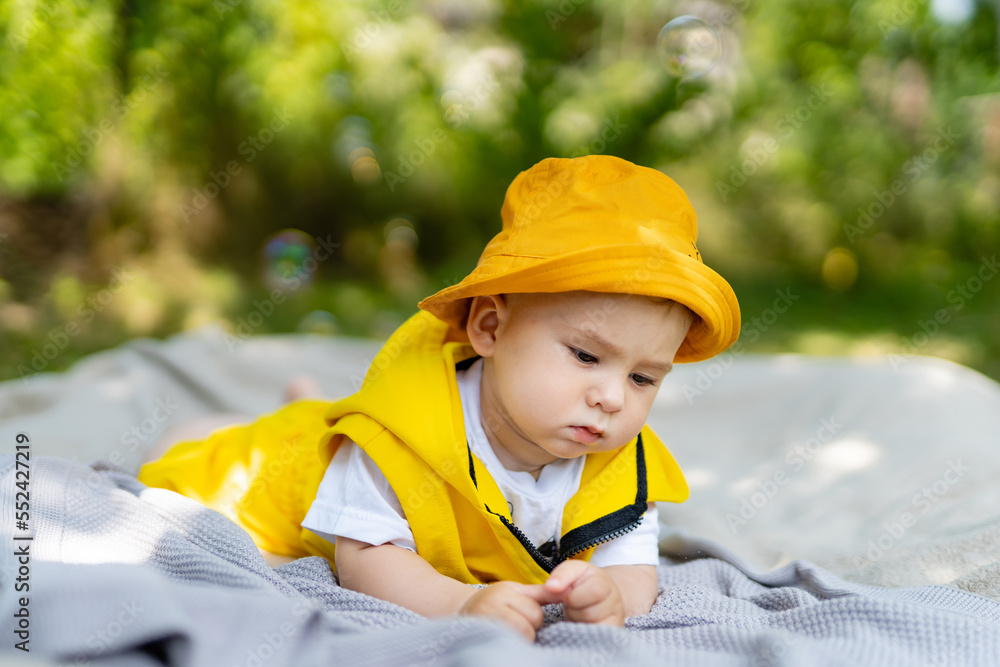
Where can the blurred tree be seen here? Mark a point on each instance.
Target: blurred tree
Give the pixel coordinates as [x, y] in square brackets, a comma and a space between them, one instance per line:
[847, 150]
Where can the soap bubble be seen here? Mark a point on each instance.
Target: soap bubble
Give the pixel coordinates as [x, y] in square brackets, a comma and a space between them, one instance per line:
[320, 322]
[688, 47]
[287, 259]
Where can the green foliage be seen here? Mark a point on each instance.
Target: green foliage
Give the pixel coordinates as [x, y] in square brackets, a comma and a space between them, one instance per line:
[167, 138]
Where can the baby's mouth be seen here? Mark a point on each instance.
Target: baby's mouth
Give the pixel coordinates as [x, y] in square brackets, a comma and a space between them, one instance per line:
[586, 434]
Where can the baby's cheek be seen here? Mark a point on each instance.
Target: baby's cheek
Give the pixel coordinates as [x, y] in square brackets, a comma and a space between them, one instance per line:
[551, 395]
[542, 403]
[637, 414]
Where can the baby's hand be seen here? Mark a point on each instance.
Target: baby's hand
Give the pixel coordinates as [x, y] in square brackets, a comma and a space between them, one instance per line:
[588, 593]
[520, 605]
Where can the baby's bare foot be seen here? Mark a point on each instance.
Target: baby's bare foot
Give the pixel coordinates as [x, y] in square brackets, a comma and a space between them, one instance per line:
[304, 386]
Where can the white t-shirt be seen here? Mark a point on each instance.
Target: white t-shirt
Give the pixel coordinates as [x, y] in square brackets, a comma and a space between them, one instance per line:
[354, 500]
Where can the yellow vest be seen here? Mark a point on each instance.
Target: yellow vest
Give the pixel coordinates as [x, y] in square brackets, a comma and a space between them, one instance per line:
[408, 418]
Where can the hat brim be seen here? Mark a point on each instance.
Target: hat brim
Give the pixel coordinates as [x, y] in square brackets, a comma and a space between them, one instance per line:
[664, 273]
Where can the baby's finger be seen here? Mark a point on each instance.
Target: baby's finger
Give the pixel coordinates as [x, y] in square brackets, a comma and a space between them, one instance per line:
[588, 592]
[541, 593]
[604, 612]
[600, 611]
[566, 575]
[592, 603]
[517, 620]
[528, 609]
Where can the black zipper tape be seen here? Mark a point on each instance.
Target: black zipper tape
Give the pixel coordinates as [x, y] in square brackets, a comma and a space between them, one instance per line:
[598, 531]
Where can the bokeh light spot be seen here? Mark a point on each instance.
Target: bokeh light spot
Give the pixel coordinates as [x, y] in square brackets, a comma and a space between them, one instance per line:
[365, 171]
[400, 231]
[840, 269]
[953, 12]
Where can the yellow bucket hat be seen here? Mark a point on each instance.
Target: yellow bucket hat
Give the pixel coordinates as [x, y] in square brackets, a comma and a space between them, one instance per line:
[601, 224]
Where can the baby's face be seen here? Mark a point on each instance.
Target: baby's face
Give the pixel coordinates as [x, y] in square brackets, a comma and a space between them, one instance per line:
[574, 373]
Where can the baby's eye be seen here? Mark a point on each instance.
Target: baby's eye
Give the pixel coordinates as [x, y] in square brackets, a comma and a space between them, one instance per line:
[584, 357]
[642, 380]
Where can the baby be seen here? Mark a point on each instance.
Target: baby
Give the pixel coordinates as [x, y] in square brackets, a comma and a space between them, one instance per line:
[499, 437]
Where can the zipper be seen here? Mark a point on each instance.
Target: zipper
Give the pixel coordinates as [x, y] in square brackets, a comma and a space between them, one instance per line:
[599, 540]
[638, 508]
[532, 550]
[549, 564]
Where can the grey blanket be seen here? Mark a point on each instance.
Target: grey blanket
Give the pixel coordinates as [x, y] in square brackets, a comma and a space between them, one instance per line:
[881, 470]
[122, 574]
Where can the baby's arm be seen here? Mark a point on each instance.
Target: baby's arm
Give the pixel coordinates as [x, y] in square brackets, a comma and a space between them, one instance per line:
[607, 595]
[400, 576]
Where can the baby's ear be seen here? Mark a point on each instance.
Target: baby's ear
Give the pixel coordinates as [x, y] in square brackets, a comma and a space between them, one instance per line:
[485, 314]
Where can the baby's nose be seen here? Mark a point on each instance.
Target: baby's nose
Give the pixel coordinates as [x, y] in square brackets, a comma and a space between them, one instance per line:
[609, 396]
